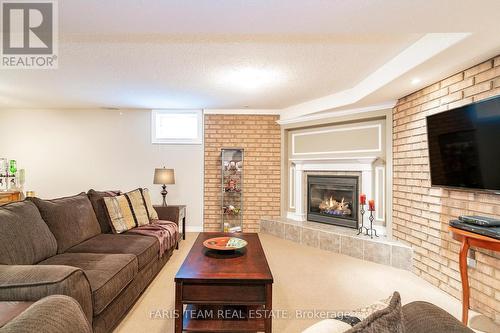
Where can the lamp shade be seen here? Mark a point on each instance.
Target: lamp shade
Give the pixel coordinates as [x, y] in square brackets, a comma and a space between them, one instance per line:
[164, 176]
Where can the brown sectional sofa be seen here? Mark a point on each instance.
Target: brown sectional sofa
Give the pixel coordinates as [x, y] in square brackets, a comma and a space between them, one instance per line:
[50, 247]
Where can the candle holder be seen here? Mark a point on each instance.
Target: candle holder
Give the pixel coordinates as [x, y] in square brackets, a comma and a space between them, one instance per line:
[370, 232]
[362, 211]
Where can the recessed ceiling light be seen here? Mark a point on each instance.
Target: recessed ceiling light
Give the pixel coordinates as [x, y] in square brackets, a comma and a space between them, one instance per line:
[249, 79]
[416, 81]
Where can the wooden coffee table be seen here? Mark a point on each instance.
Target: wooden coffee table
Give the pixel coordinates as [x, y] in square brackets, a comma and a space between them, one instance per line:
[219, 292]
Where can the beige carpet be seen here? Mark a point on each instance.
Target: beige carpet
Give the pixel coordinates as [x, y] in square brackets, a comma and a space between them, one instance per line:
[305, 278]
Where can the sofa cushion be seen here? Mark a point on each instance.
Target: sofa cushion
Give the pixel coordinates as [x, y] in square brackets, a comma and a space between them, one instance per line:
[97, 200]
[72, 219]
[25, 239]
[120, 214]
[143, 247]
[166, 232]
[108, 274]
[138, 207]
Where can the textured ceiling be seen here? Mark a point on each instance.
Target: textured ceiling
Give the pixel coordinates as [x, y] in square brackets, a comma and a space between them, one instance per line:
[276, 16]
[168, 74]
[174, 54]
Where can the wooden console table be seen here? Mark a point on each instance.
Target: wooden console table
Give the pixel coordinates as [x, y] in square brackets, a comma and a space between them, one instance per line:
[469, 239]
[9, 196]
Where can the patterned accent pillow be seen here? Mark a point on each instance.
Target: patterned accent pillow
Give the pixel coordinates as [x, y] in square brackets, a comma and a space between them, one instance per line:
[120, 214]
[138, 207]
[387, 320]
[153, 215]
[354, 317]
[365, 312]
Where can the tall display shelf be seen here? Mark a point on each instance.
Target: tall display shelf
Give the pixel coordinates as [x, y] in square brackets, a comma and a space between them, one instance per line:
[232, 189]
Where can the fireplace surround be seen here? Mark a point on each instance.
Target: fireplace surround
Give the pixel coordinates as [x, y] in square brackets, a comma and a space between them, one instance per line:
[333, 200]
[369, 171]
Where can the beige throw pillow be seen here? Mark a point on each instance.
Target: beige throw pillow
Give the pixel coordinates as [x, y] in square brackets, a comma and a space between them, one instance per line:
[153, 215]
[138, 207]
[120, 214]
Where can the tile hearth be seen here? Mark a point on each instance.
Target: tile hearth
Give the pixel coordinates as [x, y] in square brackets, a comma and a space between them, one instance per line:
[341, 240]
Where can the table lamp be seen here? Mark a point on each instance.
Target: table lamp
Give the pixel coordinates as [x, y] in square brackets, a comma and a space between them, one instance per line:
[163, 177]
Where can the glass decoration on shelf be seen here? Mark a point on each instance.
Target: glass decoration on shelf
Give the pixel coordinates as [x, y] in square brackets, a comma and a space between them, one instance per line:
[4, 166]
[12, 167]
[30, 194]
[13, 183]
[22, 177]
[21, 180]
[12, 176]
[232, 189]
[4, 172]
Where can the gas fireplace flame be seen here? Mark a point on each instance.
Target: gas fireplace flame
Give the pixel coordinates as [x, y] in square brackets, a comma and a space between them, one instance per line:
[334, 207]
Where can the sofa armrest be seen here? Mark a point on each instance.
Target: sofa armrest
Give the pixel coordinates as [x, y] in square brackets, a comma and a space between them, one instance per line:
[168, 213]
[53, 314]
[34, 282]
[424, 317]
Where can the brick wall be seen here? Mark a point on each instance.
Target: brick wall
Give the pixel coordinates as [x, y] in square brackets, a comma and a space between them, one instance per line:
[421, 213]
[260, 137]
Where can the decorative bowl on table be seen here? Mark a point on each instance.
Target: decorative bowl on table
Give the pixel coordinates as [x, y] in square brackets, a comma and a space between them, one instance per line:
[225, 243]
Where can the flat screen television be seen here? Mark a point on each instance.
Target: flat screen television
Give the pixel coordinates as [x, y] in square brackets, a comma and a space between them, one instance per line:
[464, 146]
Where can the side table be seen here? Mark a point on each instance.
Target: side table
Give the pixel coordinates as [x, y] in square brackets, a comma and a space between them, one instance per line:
[174, 213]
[469, 239]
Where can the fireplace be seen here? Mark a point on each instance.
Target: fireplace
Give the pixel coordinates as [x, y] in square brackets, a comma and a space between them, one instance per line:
[333, 200]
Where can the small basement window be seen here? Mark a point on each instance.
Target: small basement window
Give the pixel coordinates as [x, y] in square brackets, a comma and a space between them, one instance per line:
[177, 126]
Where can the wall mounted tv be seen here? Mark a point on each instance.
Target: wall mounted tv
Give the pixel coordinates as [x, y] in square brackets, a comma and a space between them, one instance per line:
[464, 146]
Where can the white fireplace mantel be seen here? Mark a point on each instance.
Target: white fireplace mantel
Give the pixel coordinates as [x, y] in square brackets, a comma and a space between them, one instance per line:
[334, 160]
[364, 165]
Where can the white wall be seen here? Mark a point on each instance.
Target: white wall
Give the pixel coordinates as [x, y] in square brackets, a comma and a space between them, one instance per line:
[69, 151]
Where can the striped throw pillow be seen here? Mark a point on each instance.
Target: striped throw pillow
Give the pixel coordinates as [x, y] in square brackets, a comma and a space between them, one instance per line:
[153, 215]
[138, 207]
[120, 214]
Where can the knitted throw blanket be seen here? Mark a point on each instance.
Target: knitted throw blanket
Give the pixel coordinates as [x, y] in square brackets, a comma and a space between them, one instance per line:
[166, 232]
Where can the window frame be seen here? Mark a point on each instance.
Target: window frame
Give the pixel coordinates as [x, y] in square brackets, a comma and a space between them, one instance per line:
[177, 141]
